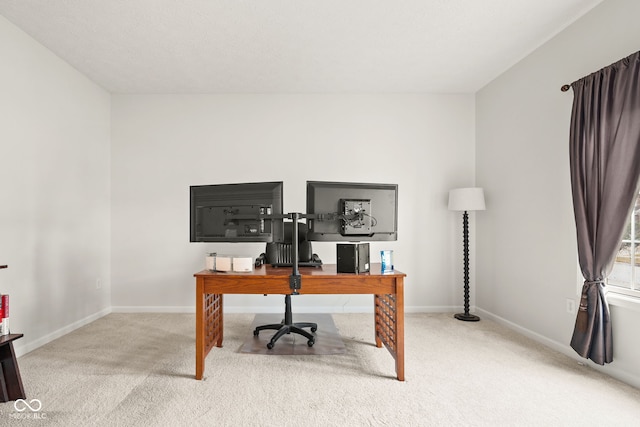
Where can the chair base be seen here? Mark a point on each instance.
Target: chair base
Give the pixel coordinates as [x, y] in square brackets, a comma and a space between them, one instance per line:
[284, 329]
[287, 326]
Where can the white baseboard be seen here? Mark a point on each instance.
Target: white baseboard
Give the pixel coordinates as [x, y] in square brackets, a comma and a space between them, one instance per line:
[432, 309]
[565, 349]
[148, 309]
[39, 342]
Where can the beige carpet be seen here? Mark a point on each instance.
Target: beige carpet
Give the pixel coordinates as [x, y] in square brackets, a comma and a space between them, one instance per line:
[137, 370]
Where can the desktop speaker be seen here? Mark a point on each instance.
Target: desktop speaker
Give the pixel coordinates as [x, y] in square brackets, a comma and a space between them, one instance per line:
[353, 257]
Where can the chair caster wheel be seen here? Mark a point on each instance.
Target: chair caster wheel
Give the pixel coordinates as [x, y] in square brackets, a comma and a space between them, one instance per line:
[256, 332]
[270, 346]
[310, 343]
[314, 329]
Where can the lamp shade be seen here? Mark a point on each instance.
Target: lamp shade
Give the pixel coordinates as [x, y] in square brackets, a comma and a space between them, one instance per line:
[466, 199]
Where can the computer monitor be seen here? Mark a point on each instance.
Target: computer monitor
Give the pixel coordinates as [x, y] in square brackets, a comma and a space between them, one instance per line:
[354, 212]
[236, 212]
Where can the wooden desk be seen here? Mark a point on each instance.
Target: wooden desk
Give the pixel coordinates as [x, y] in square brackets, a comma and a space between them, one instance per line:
[388, 304]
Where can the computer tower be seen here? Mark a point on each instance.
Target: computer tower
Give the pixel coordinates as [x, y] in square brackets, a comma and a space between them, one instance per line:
[353, 257]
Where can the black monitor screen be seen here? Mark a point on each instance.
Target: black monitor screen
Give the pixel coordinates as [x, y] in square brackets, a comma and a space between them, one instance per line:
[236, 212]
[347, 211]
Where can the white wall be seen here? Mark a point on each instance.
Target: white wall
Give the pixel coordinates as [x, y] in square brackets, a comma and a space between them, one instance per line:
[526, 247]
[54, 175]
[162, 144]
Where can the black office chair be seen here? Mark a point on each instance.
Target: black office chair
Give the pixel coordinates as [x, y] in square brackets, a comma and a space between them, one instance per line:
[279, 254]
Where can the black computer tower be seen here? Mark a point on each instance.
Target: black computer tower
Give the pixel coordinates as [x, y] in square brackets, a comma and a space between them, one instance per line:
[353, 257]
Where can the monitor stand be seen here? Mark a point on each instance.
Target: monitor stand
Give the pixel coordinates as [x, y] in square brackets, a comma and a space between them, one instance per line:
[295, 280]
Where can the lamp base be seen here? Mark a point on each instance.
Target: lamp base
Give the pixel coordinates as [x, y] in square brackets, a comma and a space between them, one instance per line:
[466, 317]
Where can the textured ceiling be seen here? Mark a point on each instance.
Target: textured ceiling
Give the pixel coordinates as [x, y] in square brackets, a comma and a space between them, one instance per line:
[258, 46]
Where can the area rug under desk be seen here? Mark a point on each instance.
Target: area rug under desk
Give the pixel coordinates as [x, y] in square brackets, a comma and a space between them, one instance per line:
[328, 340]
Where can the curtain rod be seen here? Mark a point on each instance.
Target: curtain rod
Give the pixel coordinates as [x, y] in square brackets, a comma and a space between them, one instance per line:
[623, 61]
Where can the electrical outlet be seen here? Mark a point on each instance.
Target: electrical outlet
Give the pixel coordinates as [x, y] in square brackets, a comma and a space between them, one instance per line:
[98, 283]
[571, 306]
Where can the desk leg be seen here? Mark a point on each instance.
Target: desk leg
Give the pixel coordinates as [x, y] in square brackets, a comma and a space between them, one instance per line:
[209, 324]
[199, 328]
[377, 319]
[220, 322]
[389, 324]
[400, 328]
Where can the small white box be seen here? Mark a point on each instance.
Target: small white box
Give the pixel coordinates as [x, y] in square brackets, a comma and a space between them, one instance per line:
[215, 262]
[224, 263]
[242, 264]
[210, 263]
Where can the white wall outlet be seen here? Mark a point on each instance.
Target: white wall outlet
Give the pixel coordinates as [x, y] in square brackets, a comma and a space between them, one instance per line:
[571, 306]
[98, 283]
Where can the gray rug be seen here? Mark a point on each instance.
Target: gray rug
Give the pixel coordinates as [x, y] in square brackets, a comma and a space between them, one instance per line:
[328, 340]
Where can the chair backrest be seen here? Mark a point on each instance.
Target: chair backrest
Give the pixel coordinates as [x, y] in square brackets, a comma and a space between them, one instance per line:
[281, 252]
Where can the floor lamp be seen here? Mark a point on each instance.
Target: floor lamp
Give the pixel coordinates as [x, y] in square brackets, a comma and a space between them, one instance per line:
[466, 199]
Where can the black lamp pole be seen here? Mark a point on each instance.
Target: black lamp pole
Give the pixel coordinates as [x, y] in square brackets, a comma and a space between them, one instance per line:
[466, 316]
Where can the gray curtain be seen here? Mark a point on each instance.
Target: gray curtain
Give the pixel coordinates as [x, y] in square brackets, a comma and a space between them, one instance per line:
[605, 167]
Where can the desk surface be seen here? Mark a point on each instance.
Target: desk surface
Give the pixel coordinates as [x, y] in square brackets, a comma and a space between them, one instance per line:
[323, 270]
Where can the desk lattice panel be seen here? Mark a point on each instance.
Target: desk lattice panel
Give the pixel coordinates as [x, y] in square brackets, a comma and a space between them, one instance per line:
[212, 319]
[386, 320]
